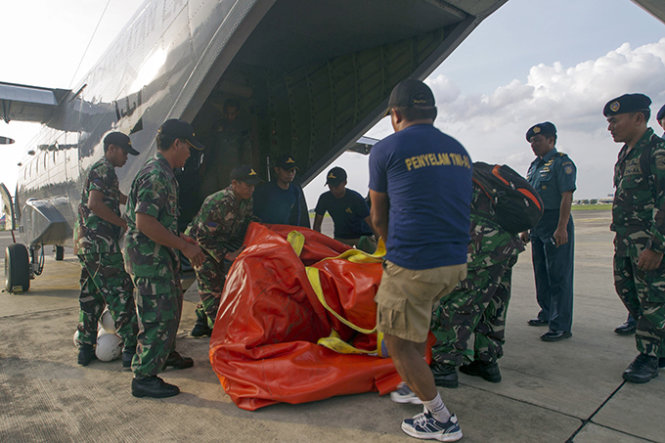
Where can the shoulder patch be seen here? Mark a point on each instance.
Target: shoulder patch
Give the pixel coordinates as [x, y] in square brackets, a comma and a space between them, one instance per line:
[659, 159]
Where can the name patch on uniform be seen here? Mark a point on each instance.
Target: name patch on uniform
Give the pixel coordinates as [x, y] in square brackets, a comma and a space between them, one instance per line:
[437, 159]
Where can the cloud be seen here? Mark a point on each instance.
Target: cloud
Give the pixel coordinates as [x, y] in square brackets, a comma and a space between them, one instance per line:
[493, 126]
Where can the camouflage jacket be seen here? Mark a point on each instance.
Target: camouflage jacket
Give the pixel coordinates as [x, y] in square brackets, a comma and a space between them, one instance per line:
[154, 192]
[221, 223]
[638, 210]
[93, 234]
[490, 244]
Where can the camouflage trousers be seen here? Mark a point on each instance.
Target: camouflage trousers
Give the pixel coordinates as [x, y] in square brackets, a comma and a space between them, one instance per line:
[210, 279]
[104, 282]
[159, 306]
[479, 304]
[643, 293]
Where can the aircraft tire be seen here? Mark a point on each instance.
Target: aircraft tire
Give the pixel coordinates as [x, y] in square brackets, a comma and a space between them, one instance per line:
[59, 253]
[17, 268]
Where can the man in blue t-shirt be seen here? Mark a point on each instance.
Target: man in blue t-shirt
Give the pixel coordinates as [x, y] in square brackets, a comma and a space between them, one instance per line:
[282, 201]
[347, 208]
[420, 188]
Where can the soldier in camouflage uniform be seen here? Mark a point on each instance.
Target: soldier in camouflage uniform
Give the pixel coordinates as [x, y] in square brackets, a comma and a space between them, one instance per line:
[151, 258]
[479, 303]
[96, 234]
[638, 219]
[220, 228]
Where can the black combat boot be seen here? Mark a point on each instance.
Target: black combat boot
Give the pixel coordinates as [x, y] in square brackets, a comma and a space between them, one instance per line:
[488, 371]
[127, 357]
[642, 369]
[153, 387]
[445, 375]
[178, 361]
[201, 327]
[627, 328]
[86, 354]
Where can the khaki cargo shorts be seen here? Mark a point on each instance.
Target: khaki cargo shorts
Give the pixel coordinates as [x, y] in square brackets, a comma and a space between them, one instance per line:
[405, 298]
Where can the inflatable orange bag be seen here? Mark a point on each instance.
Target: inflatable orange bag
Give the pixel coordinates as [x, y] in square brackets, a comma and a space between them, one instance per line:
[264, 344]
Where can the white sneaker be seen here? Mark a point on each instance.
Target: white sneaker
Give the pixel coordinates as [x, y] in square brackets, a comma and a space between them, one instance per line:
[427, 427]
[403, 394]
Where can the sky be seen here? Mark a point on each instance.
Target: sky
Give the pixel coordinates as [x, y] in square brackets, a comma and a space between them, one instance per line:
[531, 61]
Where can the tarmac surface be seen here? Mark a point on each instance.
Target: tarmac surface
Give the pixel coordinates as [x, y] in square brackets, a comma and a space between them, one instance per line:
[551, 392]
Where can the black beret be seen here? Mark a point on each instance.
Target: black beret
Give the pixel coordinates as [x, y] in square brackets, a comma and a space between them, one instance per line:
[627, 103]
[545, 128]
[661, 114]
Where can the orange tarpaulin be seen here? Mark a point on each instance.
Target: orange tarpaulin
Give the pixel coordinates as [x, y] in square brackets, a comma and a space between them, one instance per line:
[264, 344]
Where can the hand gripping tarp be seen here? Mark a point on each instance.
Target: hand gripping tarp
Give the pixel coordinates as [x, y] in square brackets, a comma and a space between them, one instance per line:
[264, 344]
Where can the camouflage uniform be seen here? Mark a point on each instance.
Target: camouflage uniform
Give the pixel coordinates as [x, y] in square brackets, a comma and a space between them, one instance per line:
[153, 267]
[103, 277]
[219, 227]
[479, 303]
[638, 219]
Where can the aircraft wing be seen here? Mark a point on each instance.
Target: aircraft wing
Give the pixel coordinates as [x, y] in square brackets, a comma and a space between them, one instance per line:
[363, 145]
[655, 7]
[29, 103]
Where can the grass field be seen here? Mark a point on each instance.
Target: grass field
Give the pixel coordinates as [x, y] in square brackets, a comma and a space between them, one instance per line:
[595, 207]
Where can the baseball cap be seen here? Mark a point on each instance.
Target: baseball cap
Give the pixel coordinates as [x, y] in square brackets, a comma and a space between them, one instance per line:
[411, 93]
[544, 128]
[627, 103]
[180, 129]
[335, 176]
[286, 161]
[121, 140]
[245, 173]
[661, 113]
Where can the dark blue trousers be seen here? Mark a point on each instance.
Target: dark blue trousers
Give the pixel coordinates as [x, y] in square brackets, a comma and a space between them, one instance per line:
[553, 271]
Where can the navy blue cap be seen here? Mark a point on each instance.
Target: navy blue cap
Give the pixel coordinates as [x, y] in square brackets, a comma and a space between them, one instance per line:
[286, 161]
[627, 103]
[181, 129]
[121, 140]
[411, 93]
[245, 173]
[661, 114]
[335, 176]
[545, 128]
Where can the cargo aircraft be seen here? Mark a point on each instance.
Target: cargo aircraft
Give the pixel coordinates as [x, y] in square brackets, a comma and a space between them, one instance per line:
[304, 77]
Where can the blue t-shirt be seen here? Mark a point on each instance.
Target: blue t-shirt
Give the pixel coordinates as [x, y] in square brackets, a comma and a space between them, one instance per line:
[275, 205]
[427, 176]
[348, 213]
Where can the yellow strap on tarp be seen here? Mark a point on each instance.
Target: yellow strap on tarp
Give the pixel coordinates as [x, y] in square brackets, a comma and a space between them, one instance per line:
[335, 343]
[296, 240]
[315, 281]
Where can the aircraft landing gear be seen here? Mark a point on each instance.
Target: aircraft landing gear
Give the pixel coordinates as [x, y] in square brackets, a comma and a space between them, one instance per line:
[59, 253]
[17, 268]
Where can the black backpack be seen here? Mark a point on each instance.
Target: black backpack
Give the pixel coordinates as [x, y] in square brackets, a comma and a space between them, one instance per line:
[517, 206]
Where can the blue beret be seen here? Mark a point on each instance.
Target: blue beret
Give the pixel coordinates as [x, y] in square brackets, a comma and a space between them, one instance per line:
[545, 128]
[661, 114]
[627, 103]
